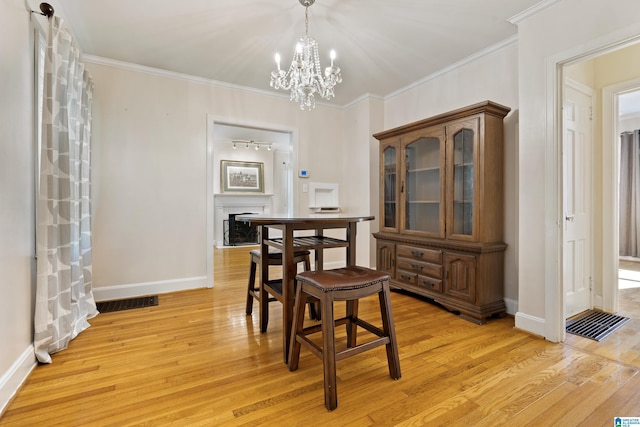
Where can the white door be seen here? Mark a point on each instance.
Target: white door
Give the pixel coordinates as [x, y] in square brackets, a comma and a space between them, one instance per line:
[577, 172]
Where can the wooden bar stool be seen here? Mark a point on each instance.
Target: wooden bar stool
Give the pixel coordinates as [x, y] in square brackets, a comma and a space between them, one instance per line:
[254, 290]
[344, 284]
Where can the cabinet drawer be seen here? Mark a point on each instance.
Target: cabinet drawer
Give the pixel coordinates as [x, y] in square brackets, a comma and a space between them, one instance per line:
[406, 277]
[425, 268]
[422, 254]
[430, 283]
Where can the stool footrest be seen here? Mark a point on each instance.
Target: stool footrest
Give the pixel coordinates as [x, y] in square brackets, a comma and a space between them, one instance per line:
[360, 348]
[255, 293]
[369, 327]
[317, 350]
[313, 347]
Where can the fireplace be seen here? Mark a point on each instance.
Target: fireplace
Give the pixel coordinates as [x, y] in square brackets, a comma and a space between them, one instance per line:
[238, 233]
[227, 206]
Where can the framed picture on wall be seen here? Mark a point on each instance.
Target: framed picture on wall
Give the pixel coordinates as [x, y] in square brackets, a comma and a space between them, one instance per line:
[242, 177]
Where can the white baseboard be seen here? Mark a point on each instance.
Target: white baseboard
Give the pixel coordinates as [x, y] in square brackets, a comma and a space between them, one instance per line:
[512, 305]
[531, 324]
[12, 380]
[108, 293]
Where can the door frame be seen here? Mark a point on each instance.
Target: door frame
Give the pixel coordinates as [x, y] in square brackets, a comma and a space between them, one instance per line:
[554, 325]
[210, 158]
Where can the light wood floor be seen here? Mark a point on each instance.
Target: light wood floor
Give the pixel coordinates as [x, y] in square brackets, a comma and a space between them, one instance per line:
[197, 360]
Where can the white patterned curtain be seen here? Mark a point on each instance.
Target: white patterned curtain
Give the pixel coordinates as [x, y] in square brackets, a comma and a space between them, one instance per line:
[630, 193]
[64, 299]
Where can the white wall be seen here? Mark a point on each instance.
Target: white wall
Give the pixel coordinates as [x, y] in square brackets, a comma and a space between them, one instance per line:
[620, 66]
[565, 30]
[255, 203]
[242, 154]
[17, 280]
[150, 160]
[361, 121]
[149, 169]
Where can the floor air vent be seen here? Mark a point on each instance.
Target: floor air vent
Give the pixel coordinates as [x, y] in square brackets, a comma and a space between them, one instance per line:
[127, 304]
[595, 325]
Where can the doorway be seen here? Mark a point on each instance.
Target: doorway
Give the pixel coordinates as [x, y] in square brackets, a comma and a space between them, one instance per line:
[274, 148]
[626, 102]
[596, 71]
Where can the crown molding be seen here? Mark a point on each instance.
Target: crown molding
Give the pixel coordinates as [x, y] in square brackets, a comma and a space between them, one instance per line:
[533, 10]
[471, 58]
[99, 60]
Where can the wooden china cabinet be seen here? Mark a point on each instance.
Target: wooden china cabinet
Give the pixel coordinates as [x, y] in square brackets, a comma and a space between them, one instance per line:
[441, 209]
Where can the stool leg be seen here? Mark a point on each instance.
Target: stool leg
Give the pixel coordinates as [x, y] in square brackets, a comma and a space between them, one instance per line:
[264, 308]
[313, 311]
[329, 351]
[251, 288]
[352, 313]
[296, 328]
[393, 358]
[314, 307]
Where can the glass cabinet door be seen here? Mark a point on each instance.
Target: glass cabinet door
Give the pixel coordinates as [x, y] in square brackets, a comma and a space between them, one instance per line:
[390, 186]
[423, 167]
[461, 155]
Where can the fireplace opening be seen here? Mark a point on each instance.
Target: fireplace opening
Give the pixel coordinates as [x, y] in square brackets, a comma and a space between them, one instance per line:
[238, 233]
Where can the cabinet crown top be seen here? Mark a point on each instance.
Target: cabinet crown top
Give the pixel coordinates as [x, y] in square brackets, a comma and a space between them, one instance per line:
[486, 107]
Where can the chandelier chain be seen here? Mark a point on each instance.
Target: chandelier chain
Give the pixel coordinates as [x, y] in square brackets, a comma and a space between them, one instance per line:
[306, 20]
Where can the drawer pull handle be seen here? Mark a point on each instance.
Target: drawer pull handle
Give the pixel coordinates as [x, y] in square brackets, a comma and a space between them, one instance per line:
[417, 254]
[417, 267]
[429, 284]
[405, 277]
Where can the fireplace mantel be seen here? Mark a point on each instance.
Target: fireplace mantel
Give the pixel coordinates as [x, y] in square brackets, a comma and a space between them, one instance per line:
[236, 203]
[242, 195]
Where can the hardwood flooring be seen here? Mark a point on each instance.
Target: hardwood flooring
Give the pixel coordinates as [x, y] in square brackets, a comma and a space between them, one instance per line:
[196, 359]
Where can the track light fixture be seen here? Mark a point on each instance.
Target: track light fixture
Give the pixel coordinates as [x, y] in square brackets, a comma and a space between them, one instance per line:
[251, 143]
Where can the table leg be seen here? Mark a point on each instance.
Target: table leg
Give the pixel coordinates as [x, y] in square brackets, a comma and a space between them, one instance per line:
[351, 248]
[264, 278]
[352, 309]
[319, 252]
[288, 294]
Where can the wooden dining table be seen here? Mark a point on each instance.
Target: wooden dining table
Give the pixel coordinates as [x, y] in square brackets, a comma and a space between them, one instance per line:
[289, 242]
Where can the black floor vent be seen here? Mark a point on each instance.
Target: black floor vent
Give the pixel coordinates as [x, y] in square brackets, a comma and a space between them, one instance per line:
[127, 304]
[595, 325]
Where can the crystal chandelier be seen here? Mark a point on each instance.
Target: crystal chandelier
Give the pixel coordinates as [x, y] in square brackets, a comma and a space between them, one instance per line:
[304, 77]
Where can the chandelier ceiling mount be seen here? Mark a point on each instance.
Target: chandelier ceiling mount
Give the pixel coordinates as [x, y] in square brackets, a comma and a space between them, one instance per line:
[305, 78]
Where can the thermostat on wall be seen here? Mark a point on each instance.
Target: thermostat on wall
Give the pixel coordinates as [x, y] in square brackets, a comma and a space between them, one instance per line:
[303, 173]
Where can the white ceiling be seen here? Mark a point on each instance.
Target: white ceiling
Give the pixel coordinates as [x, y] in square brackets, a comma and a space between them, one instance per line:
[382, 45]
